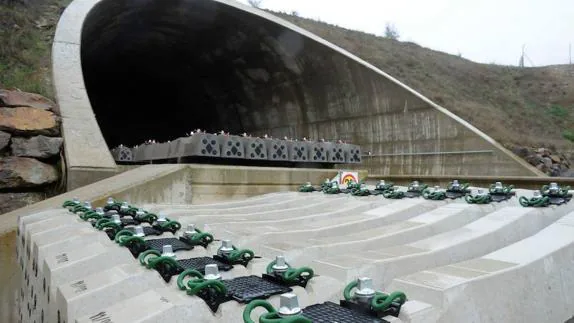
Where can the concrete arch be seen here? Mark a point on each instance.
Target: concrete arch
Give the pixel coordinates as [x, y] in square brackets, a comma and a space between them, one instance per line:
[269, 76]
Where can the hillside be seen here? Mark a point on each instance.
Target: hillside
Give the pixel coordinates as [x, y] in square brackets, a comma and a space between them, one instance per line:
[525, 107]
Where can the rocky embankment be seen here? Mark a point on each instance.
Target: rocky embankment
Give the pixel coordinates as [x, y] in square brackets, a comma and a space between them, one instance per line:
[30, 145]
[547, 161]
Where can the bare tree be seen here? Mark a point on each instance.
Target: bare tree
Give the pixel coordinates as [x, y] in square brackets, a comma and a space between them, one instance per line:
[255, 3]
[391, 31]
[295, 13]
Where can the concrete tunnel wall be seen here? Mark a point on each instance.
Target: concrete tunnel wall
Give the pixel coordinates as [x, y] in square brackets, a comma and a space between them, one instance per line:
[217, 64]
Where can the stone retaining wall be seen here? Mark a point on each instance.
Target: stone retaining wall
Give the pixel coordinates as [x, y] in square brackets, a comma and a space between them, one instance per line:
[30, 146]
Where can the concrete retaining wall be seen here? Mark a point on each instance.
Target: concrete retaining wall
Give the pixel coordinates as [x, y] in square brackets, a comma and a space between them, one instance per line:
[351, 100]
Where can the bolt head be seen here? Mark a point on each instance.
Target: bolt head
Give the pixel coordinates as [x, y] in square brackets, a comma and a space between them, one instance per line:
[365, 287]
[110, 201]
[116, 218]
[553, 186]
[212, 272]
[382, 183]
[280, 264]
[289, 305]
[100, 210]
[537, 194]
[498, 184]
[88, 204]
[415, 183]
[226, 247]
[167, 251]
[139, 231]
[76, 200]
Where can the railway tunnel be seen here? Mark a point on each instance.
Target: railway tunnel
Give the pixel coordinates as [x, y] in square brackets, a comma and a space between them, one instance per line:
[136, 70]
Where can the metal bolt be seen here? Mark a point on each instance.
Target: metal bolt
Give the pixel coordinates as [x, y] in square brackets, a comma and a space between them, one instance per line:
[365, 291]
[76, 200]
[437, 188]
[289, 305]
[139, 231]
[415, 184]
[553, 187]
[116, 218]
[100, 211]
[140, 212]
[88, 204]
[537, 194]
[110, 201]
[498, 185]
[382, 183]
[226, 248]
[124, 206]
[167, 251]
[280, 265]
[161, 218]
[455, 183]
[212, 272]
[190, 231]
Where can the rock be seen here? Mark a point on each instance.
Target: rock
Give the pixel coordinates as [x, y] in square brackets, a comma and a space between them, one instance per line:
[547, 162]
[542, 168]
[25, 99]
[29, 121]
[21, 172]
[540, 151]
[13, 201]
[521, 151]
[37, 147]
[555, 159]
[534, 159]
[555, 171]
[4, 139]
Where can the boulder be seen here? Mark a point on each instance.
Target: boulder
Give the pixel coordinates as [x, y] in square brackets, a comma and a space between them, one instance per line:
[521, 151]
[4, 139]
[29, 121]
[13, 201]
[534, 159]
[547, 162]
[25, 99]
[21, 172]
[555, 159]
[37, 147]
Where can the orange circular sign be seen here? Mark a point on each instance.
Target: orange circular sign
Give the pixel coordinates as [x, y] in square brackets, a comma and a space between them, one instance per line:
[348, 178]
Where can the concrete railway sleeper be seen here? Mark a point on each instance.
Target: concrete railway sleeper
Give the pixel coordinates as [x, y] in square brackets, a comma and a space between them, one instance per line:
[224, 277]
[551, 194]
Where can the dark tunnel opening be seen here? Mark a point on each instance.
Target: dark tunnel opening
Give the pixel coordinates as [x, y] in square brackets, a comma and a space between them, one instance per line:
[158, 69]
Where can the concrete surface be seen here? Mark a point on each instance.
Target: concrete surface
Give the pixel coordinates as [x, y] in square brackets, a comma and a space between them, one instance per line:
[270, 77]
[456, 262]
[161, 184]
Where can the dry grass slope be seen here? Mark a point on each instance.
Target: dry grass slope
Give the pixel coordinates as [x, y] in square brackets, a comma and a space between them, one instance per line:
[528, 107]
[531, 106]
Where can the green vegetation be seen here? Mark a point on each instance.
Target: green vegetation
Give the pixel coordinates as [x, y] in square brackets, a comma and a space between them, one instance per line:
[568, 134]
[558, 111]
[26, 33]
[516, 106]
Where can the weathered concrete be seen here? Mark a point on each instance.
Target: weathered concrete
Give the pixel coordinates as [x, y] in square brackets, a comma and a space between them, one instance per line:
[527, 276]
[171, 185]
[249, 71]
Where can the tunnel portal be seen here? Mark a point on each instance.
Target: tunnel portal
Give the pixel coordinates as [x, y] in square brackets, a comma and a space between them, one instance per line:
[158, 69]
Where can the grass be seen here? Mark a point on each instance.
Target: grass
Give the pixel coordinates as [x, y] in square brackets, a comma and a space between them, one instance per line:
[26, 34]
[516, 106]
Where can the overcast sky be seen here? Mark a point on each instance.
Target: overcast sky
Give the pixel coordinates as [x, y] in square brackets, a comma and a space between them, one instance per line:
[484, 31]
